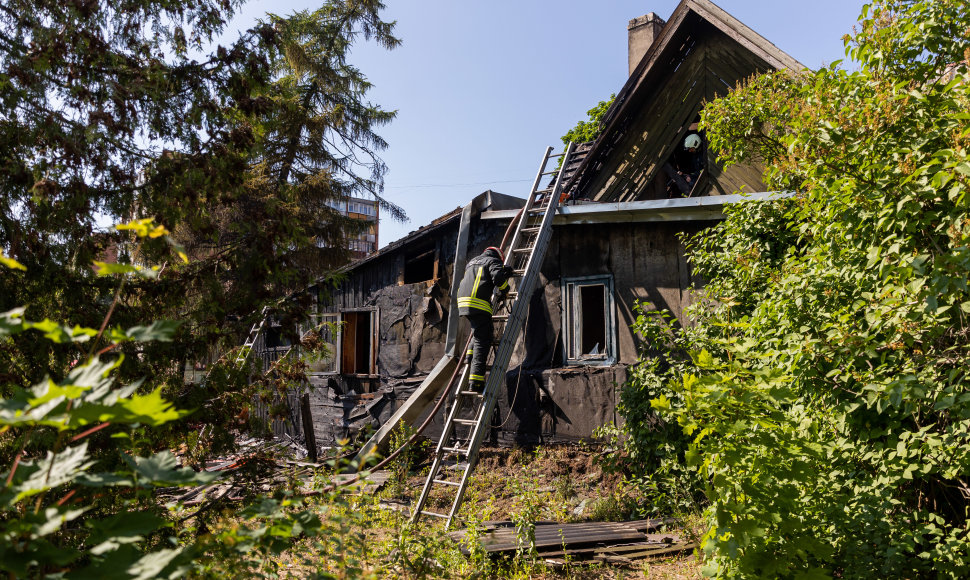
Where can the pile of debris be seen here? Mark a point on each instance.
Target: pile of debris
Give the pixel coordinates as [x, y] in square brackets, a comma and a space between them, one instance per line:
[618, 543]
[280, 463]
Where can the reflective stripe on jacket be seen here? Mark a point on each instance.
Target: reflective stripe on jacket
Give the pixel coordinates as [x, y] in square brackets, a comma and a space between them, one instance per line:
[482, 275]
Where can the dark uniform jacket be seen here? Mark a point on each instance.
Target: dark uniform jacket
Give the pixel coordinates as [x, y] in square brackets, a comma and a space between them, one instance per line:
[690, 163]
[483, 274]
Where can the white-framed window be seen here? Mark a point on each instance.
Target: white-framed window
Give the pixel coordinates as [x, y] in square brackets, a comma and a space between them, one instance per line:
[328, 324]
[589, 320]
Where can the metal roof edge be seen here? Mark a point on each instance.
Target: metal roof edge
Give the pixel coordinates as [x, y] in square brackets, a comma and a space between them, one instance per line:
[677, 209]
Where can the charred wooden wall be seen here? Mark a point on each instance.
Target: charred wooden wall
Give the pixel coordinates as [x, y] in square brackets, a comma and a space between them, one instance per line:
[545, 400]
[412, 320]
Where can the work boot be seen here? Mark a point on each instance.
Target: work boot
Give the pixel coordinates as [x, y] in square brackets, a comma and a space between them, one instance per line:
[476, 385]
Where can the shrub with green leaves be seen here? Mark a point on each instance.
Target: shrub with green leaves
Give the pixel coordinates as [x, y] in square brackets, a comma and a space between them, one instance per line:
[78, 495]
[66, 507]
[826, 396]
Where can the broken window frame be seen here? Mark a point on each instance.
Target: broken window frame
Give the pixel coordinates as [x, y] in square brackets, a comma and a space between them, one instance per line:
[328, 325]
[426, 256]
[344, 320]
[572, 311]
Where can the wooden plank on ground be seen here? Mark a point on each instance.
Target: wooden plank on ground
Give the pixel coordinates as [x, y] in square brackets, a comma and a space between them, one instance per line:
[651, 525]
[559, 535]
[583, 540]
[649, 551]
[373, 482]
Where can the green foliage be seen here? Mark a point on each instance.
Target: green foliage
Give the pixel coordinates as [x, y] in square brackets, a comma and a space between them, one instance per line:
[402, 466]
[530, 504]
[51, 517]
[321, 539]
[237, 143]
[590, 128]
[78, 500]
[826, 395]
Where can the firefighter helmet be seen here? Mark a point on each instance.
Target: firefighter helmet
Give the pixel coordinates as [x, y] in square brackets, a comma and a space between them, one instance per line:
[498, 251]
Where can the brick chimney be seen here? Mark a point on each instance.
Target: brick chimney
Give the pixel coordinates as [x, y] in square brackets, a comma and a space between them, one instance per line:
[641, 33]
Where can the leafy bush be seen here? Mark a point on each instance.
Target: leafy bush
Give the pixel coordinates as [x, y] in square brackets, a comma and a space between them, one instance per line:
[651, 448]
[73, 506]
[825, 395]
[78, 498]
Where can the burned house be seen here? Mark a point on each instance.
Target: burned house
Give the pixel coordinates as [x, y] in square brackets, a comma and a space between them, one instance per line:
[615, 244]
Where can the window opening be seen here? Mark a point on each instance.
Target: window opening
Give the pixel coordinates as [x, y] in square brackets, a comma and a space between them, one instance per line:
[274, 337]
[686, 166]
[420, 267]
[357, 343]
[592, 304]
[588, 321]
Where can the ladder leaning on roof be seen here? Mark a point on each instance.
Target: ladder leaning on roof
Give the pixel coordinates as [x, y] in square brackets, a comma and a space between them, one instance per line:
[470, 415]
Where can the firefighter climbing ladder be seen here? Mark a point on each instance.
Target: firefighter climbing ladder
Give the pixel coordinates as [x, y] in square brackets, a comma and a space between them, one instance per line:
[469, 418]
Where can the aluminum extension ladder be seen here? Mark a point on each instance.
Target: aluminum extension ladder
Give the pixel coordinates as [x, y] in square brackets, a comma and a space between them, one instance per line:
[470, 415]
[254, 332]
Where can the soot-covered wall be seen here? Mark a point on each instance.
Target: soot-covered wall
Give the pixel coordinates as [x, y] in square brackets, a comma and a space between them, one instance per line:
[411, 325]
[544, 398]
[547, 400]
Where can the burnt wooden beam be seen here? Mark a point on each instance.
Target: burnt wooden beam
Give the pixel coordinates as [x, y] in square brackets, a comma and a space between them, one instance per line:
[308, 433]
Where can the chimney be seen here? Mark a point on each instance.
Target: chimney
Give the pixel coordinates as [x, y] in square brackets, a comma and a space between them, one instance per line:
[641, 33]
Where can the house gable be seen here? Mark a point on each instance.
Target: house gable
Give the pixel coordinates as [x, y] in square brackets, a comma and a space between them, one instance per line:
[700, 54]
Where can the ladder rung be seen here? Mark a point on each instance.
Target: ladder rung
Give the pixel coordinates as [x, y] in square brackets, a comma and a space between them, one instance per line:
[553, 172]
[500, 317]
[546, 190]
[519, 272]
[530, 230]
[434, 514]
[461, 450]
[446, 482]
[554, 155]
[466, 421]
[471, 394]
[521, 250]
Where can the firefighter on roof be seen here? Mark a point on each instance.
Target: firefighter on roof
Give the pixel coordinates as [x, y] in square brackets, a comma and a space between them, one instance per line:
[483, 275]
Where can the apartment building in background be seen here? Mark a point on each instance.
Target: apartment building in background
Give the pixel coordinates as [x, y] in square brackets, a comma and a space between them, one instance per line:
[365, 243]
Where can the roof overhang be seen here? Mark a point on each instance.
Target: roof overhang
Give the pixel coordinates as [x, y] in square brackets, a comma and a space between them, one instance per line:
[654, 210]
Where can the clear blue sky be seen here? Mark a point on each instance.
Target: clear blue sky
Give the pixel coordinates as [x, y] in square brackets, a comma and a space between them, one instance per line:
[482, 88]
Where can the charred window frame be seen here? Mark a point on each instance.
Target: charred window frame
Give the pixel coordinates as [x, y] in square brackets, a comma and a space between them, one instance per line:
[420, 265]
[275, 343]
[589, 320]
[328, 325]
[357, 342]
